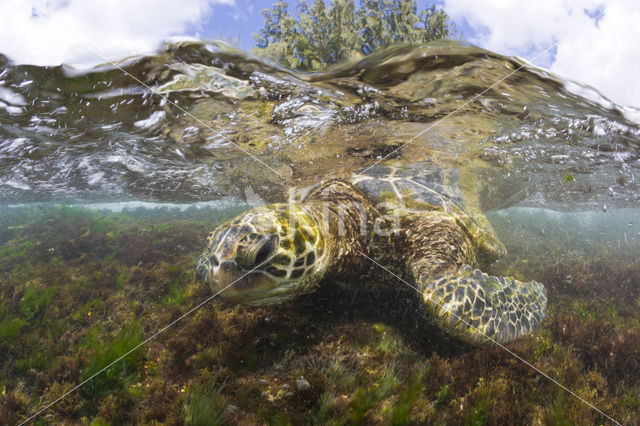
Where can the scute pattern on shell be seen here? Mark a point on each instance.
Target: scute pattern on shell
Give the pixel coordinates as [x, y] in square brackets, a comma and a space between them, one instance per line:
[401, 189]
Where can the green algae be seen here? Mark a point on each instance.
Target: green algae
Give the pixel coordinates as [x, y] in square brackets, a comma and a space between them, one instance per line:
[10, 328]
[401, 413]
[35, 360]
[114, 362]
[443, 395]
[557, 411]
[478, 415]
[99, 421]
[205, 404]
[34, 300]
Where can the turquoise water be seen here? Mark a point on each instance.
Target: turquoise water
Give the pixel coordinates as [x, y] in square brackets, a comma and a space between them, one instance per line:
[612, 234]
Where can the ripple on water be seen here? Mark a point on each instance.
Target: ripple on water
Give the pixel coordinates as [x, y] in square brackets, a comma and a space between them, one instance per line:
[100, 133]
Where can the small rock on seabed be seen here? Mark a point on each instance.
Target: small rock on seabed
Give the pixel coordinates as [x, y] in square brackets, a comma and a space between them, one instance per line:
[302, 384]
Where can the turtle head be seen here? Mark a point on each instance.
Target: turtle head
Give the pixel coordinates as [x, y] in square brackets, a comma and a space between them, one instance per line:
[266, 255]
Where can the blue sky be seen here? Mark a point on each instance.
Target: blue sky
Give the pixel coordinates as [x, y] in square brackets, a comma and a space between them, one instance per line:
[235, 22]
[588, 41]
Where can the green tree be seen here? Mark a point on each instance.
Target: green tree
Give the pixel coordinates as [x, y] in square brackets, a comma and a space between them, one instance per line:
[318, 35]
[278, 38]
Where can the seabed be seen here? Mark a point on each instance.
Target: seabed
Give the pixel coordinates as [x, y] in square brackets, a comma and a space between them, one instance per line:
[82, 287]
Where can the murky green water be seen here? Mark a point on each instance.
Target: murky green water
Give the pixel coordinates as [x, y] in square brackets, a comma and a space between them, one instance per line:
[110, 180]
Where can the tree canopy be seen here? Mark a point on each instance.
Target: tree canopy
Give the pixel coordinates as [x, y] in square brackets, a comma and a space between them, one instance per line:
[317, 35]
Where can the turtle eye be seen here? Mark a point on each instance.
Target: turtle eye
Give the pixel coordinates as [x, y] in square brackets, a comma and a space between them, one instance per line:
[257, 253]
[266, 249]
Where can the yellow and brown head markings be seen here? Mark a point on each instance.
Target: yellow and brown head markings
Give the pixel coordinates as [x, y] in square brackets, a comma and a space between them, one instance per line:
[279, 248]
[210, 238]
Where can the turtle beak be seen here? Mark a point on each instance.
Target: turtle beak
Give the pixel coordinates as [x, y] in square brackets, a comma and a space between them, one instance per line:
[231, 281]
[223, 275]
[216, 273]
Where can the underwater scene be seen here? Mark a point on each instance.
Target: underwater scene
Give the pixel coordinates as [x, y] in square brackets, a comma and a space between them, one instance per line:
[113, 178]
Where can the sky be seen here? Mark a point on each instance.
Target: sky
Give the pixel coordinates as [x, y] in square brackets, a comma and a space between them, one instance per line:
[589, 41]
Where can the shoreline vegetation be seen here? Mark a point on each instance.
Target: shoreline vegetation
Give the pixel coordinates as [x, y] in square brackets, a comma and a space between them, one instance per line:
[317, 35]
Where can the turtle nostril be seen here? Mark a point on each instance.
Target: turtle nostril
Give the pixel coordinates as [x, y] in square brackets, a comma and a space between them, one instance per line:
[229, 267]
[214, 261]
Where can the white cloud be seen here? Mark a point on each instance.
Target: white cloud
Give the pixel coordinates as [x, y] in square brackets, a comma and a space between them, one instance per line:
[43, 32]
[603, 54]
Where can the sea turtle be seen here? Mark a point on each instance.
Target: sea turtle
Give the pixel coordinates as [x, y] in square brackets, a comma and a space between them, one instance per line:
[393, 224]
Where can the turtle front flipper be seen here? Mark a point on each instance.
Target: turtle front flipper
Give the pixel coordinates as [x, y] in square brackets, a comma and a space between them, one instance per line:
[482, 309]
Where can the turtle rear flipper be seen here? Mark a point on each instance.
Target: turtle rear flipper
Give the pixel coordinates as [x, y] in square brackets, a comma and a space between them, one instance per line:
[482, 309]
